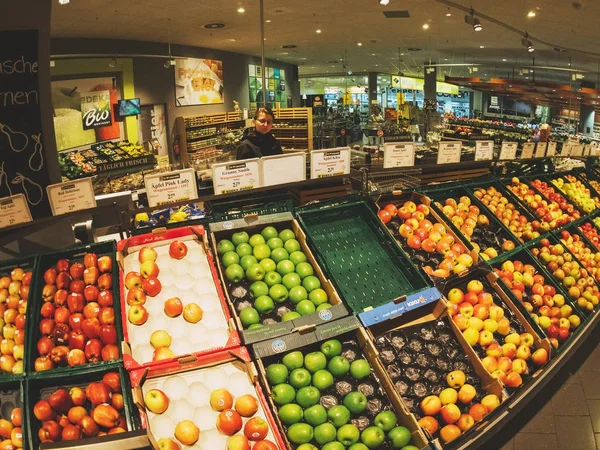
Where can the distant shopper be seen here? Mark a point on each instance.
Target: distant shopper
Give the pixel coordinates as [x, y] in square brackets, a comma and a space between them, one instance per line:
[258, 140]
[545, 132]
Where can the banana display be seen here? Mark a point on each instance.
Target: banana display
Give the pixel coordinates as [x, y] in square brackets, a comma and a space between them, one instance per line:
[168, 215]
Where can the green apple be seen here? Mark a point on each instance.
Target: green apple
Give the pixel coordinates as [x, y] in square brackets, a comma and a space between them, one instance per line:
[269, 232]
[297, 294]
[323, 306]
[240, 237]
[308, 396]
[300, 378]
[323, 380]
[258, 288]
[268, 264]
[358, 446]
[230, 258]
[305, 307]
[311, 283]
[261, 251]
[318, 296]
[304, 270]
[338, 415]
[256, 239]
[315, 361]
[307, 447]
[300, 433]
[256, 272]
[356, 402]
[372, 437]
[297, 257]
[293, 360]
[315, 415]
[234, 273]
[325, 433]
[338, 366]
[254, 326]
[243, 249]
[285, 266]
[277, 373]
[278, 293]
[249, 316]
[400, 436]
[360, 368]
[279, 254]
[348, 434]
[291, 280]
[290, 315]
[333, 445]
[264, 304]
[386, 420]
[291, 245]
[272, 278]
[282, 394]
[225, 246]
[274, 243]
[331, 348]
[286, 235]
[247, 260]
[290, 413]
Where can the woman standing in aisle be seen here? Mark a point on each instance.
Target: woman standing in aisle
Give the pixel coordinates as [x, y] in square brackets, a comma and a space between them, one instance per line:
[258, 140]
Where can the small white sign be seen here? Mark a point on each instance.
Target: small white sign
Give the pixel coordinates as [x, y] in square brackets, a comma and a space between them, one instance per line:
[551, 150]
[449, 152]
[540, 149]
[14, 210]
[594, 150]
[71, 196]
[397, 154]
[329, 163]
[171, 187]
[484, 150]
[528, 149]
[279, 169]
[508, 150]
[236, 176]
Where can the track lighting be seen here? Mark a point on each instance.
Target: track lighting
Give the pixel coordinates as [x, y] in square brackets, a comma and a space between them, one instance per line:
[527, 44]
[474, 21]
[477, 25]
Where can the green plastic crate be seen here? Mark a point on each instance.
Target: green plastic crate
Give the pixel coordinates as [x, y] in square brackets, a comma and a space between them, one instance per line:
[361, 257]
[238, 209]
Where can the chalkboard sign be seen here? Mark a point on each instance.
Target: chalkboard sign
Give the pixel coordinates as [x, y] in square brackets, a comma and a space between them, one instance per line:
[23, 168]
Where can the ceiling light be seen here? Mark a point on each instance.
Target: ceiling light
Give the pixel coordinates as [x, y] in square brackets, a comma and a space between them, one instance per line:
[268, 20]
[241, 10]
[63, 2]
[448, 14]
[359, 44]
[384, 2]
[531, 14]
[482, 46]
[504, 59]
[477, 25]
[425, 26]
[527, 43]
[319, 31]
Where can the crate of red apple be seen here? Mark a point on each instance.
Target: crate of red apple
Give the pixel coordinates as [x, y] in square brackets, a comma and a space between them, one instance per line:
[211, 401]
[87, 404]
[590, 231]
[13, 421]
[171, 297]
[423, 235]
[75, 308]
[15, 282]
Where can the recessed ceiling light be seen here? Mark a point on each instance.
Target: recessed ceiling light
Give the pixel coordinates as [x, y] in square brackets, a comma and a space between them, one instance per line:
[531, 14]
[241, 10]
[504, 59]
[268, 20]
[448, 14]
[63, 2]
[482, 46]
[426, 26]
[384, 2]
[318, 31]
[214, 25]
[359, 44]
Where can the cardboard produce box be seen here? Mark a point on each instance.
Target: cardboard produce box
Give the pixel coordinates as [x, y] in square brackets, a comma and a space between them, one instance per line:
[187, 314]
[189, 386]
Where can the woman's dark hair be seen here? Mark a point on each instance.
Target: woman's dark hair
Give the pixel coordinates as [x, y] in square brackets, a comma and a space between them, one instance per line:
[263, 109]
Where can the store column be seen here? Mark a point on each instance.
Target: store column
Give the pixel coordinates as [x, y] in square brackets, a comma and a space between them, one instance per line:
[372, 89]
[429, 95]
[587, 116]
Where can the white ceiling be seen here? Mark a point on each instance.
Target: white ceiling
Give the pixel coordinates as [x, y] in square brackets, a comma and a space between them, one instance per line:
[345, 23]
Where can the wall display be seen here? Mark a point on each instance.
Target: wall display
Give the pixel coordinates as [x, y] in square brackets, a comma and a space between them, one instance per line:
[236, 176]
[71, 99]
[154, 128]
[198, 81]
[71, 196]
[23, 168]
[275, 79]
[497, 104]
[508, 150]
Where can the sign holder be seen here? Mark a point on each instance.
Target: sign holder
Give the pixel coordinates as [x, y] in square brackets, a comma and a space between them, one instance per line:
[508, 150]
[540, 149]
[330, 162]
[484, 150]
[280, 169]
[14, 210]
[234, 176]
[170, 187]
[398, 155]
[71, 196]
[449, 152]
[527, 152]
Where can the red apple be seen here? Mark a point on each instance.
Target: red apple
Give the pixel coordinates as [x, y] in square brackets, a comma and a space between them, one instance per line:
[90, 260]
[59, 354]
[229, 422]
[76, 271]
[97, 393]
[47, 310]
[93, 349]
[110, 353]
[61, 315]
[108, 334]
[91, 275]
[75, 321]
[173, 307]
[151, 286]
[113, 381]
[60, 297]
[60, 335]
[51, 431]
[61, 401]
[107, 316]
[77, 339]
[43, 411]
[46, 327]
[105, 298]
[50, 276]
[91, 327]
[178, 250]
[63, 280]
[75, 302]
[91, 293]
[91, 310]
[88, 426]
[105, 415]
[45, 345]
[136, 296]
[71, 433]
[133, 279]
[42, 363]
[105, 281]
[62, 265]
[105, 264]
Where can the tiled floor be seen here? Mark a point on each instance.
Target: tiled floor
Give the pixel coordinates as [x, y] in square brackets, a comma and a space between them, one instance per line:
[566, 414]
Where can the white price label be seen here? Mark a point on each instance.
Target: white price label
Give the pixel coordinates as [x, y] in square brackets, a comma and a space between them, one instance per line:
[528, 149]
[171, 187]
[551, 150]
[484, 150]
[540, 149]
[71, 196]
[14, 210]
[236, 176]
[449, 152]
[329, 163]
[398, 155]
[279, 169]
[508, 150]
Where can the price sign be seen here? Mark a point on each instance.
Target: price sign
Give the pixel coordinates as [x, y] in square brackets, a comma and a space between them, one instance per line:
[329, 163]
[484, 150]
[398, 155]
[14, 210]
[236, 176]
[577, 150]
[527, 152]
[71, 196]
[540, 149]
[171, 187]
[279, 169]
[509, 150]
[551, 150]
[449, 152]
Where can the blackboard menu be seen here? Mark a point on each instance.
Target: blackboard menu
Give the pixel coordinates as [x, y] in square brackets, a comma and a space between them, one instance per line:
[23, 168]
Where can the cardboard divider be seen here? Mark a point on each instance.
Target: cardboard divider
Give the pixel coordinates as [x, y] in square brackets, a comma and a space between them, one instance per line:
[253, 223]
[193, 235]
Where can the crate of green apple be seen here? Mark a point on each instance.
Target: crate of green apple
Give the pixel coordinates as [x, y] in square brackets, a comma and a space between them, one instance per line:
[329, 395]
[75, 309]
[539, 296]
[436, 373]
[172, 297]
[424, 236]
[88, 404]
[211, 401]
[15, 283]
